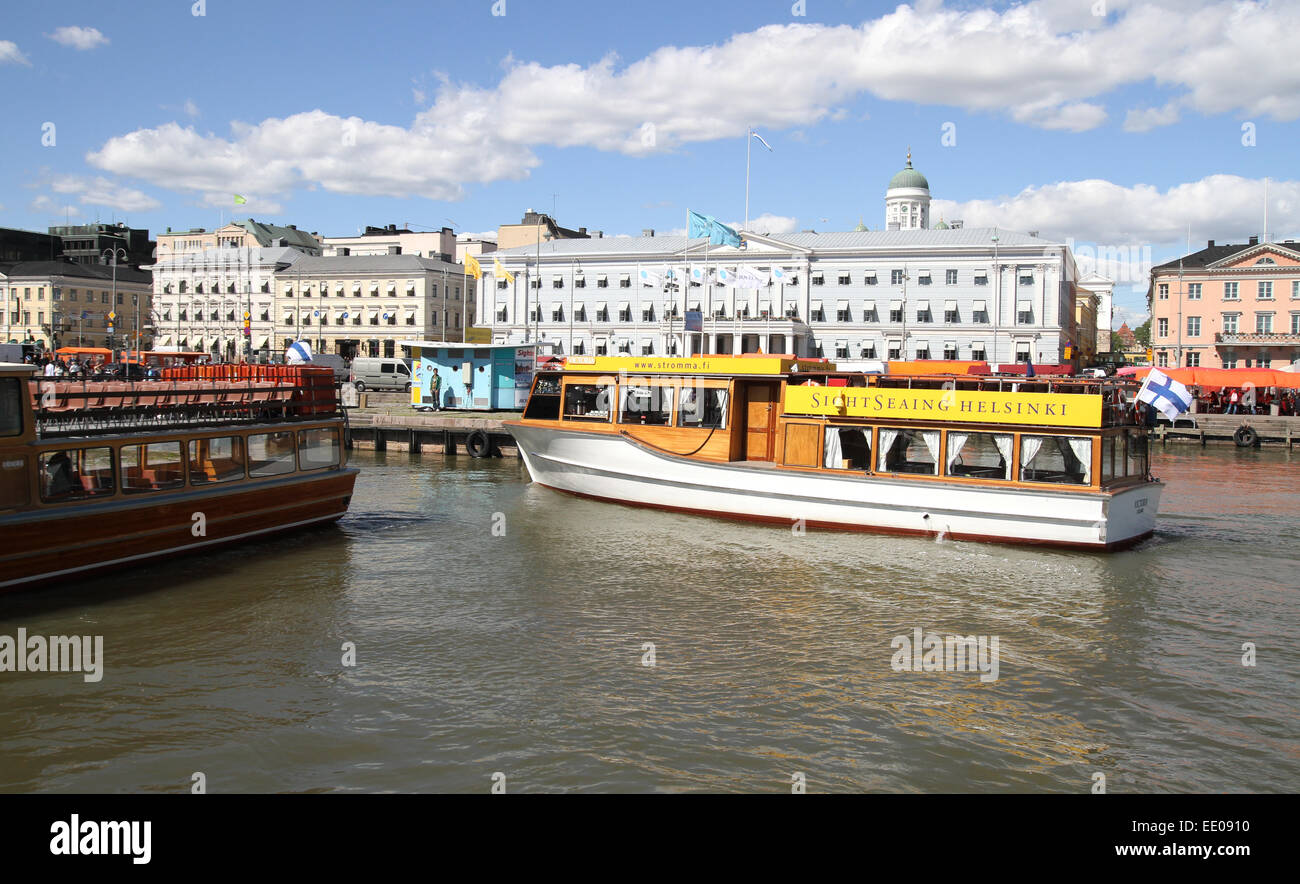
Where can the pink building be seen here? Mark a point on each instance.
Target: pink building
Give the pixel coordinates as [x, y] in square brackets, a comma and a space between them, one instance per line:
[1228, 306]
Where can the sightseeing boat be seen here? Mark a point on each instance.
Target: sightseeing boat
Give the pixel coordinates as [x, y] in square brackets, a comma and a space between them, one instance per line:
[101, 474]
[1061, 462]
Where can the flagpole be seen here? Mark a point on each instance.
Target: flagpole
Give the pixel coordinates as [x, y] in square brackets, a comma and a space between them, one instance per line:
[749, 140]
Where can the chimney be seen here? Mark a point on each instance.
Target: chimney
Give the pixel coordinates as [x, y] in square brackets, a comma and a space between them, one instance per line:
[648, 231]
[1033, 233]
[293, 226]
[392, 228]
[582, 231]
[1254, 241]
[1210, 244]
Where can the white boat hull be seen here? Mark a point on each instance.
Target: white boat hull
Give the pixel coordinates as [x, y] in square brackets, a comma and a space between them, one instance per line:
[613, 467]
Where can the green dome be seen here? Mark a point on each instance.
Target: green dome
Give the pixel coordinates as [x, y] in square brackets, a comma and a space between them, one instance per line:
[909, 177]
[942, 225]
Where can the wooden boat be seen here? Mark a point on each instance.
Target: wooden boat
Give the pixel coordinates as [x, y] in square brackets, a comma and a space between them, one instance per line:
[1050, 461]
[97, 475]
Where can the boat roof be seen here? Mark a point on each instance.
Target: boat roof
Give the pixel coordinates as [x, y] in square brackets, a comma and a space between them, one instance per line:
[15, 367]
[755, 364]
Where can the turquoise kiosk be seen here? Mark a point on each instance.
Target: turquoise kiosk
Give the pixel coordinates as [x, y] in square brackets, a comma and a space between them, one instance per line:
[481, 377]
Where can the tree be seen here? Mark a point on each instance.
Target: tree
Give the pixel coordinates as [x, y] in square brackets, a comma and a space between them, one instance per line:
[1142, 334]
[1116, 343]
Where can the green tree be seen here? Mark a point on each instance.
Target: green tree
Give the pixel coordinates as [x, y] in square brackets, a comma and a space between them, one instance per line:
[1116, 343]
[1142, 334]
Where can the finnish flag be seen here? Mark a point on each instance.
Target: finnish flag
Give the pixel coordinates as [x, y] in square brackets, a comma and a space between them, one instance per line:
[298, 353]
[1165, 394]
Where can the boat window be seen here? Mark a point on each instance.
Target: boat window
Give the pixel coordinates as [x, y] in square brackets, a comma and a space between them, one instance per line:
[588, 402]
[270, 454]
[318, 448]
[75, 474]
[1110, 468]
[909, 451]
[1062, 460]
[216, 460]
[980, 455]
[1137, 453]
[703, 407]
[153, 467]
[11, 407]
[847, 448]
[649, 404]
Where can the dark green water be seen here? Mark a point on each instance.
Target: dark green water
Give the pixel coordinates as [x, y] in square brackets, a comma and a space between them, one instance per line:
[523, 654]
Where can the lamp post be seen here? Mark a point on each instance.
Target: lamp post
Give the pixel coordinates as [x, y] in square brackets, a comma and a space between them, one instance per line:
[112, 255]
[997, 296]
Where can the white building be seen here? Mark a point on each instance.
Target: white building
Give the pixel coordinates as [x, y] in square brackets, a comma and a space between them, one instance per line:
[393, 240]
[1104, 288]
[907, 200]
[200, 298]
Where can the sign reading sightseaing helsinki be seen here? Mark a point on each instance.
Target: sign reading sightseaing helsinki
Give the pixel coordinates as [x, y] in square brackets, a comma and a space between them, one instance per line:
[957, 406]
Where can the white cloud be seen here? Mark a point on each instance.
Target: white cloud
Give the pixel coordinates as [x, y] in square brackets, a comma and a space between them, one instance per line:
[768, 223]
[76, 37]
[46, 204]
[190, 108]
[11, 54]
[103, 192]
[252, 205]
[1148, 118]
[1043, 63]
[1099, 211]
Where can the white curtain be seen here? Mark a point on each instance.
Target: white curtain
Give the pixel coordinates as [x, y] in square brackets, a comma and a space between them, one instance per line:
[1082, 449]
[722, 409]
[834, 453]
[1004, 444]
[1029, 446]
[956, 441]
[931, 440]
[887, 438]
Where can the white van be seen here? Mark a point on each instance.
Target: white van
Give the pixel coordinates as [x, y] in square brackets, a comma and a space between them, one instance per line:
[381, 373]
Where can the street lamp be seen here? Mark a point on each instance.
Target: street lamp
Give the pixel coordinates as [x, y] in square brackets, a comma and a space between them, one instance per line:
[112, 255]
[997, 296]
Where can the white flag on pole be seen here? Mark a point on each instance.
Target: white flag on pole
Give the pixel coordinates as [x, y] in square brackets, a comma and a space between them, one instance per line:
[1165, 394]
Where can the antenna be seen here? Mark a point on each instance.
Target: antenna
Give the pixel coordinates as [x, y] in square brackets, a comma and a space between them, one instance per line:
[1265, 210]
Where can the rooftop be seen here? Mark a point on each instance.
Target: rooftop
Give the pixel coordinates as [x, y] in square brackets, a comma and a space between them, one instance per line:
[394, 264]
[77, 271]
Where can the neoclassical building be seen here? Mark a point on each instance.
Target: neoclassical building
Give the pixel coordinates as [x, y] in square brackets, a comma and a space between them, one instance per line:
[906, 293]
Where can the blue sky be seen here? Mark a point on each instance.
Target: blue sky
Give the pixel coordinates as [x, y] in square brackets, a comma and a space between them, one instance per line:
[1118, 129]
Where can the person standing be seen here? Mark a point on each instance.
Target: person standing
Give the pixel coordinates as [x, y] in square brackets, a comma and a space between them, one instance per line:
[435, 387]
[1233, 399]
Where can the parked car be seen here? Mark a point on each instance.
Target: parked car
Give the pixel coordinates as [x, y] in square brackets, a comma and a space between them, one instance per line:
[381, 373]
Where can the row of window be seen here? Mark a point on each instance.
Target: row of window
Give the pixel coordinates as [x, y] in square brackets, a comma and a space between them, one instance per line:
[1231, 325]
[93, 471]
[1230, 359]
[184, 288]
[818, 314]
[73, 295]
[1231, 290]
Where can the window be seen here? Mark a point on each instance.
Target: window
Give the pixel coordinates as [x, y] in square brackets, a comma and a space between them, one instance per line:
[1022, 351]
[950, 277]
[11, 407]
[702, 407]
[1193, 326]
[1266, 291]
[588, 402]
[182, 314]
[818, 279]
[949, 350]
[602, 282]
[580, 282]
[1193, 359]
[844, 278]
[923, 313]
[870, 278]
[869, 313]
[153, 467]
[842, 312]
[649, 404]
[270, 454]
[76, 473]
[1194, 291]
[923, 278]
[792, 311]
[868, 351]
[979, 313]
[1295, 323]
[1162, 328]
[1136, 446]
[981, 277]
[979, 455]
[625, 313]
[818, 313]
[557, 283]
[625, 282]
[579, 313]
[318, 449]
[1162, 291]
[923, 350]
[909, 451]
[535, 283]
[1162, 359]
[895, 277]
[896, 312]
[602, 347]
[1230, 324]
[847, 448]
[503, 314]
[895, 350]
[1263, 323]
[557, 313]
[1026, 277]
[1025, 313]
[648, 313]
[841, 349]
[1231, 291]
[1061, 460]
[1295, 289]
[602, 313]
[502, 284]
[216, 460]
[951, 315]
[977, 352]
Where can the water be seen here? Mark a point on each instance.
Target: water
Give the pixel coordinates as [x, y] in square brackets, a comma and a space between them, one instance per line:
[524, 654]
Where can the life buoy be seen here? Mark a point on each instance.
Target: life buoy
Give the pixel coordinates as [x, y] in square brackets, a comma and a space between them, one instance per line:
[478, 444]
[1245, 437]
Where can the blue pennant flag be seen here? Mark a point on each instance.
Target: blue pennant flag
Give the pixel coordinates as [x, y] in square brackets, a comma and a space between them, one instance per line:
[698, 225]
[718, 233]
[722, 235]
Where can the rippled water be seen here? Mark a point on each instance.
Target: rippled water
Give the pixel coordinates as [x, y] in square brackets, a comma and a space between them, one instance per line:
[523, 654]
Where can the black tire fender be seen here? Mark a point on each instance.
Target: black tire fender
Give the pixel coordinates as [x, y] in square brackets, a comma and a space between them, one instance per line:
[1245, 437]
[478, 444]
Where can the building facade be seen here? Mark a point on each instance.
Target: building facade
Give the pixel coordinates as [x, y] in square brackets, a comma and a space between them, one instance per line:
[363, 305]
[88, 243]
[60, 304]
[907, 200]
[533, 228]
[28, 245]
[968, 293]
[392, 240]
[201, 297]
[246, 234]
[1228, 306]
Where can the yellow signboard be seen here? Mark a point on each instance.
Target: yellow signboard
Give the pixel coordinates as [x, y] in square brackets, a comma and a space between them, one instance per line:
[954, 406]
[716, 365]
[478, 335]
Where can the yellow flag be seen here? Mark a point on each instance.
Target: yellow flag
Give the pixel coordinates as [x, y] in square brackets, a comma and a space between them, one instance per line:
[472, 268]
[501, 272]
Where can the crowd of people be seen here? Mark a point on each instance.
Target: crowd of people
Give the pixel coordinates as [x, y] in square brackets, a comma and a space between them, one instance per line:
[1231, 400]
[91, 368]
